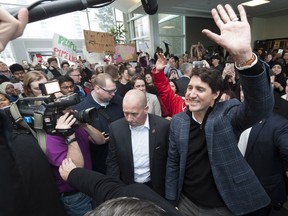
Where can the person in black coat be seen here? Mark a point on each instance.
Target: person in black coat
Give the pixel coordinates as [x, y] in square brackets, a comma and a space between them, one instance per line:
[103, 188]
[267, 154]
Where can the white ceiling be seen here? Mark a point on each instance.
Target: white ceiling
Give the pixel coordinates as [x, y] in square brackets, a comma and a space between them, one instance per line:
[202, 8]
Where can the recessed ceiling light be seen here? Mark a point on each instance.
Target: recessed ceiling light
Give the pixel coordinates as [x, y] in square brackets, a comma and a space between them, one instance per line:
[254, 3]
[168, 27]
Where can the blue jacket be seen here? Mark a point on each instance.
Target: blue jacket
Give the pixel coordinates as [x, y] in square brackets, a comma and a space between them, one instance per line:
[235, 180]
[113, 109]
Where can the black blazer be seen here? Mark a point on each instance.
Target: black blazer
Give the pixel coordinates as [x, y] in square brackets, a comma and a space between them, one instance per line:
[103, 188]
[120, 158]
[267, 151]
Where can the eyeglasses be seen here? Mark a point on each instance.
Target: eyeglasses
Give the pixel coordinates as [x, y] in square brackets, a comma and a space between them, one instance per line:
[113, 91]
[68, 87]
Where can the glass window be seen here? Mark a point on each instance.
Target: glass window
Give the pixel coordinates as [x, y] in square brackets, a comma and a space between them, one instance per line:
[141, 26]
[171, 31]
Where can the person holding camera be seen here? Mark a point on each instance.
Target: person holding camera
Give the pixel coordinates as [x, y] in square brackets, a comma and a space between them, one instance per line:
[74, 144]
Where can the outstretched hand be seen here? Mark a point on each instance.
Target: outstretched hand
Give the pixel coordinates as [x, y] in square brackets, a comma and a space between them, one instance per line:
[66, 167]
[161, 62]
[235, 33]
[11, 28]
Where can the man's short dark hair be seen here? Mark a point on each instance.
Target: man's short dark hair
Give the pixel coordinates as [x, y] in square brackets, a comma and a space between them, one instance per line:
[65, 78]
[16, 67]
[211, 77]
[65, 62]
[49, 60]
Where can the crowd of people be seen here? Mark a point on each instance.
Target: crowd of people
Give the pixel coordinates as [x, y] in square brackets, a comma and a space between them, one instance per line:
[174, 136]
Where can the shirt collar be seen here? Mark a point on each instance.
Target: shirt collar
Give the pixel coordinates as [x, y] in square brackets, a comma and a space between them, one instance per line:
[145, 125]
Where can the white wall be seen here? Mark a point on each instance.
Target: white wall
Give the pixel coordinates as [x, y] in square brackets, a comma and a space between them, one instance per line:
[269, 28]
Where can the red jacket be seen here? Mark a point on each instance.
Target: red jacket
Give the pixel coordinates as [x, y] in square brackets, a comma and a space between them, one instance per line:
[173, 102]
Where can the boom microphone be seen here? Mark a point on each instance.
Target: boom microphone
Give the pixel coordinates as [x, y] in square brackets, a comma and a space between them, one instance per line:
[150, 6]
[58, 7]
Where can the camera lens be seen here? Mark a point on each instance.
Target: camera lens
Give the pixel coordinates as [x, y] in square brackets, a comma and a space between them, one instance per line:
[87, 116]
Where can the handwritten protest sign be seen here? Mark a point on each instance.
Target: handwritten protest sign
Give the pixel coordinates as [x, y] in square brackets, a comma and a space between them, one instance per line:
[99, 42]
[64, 48]
[125, 52]
[93, 57]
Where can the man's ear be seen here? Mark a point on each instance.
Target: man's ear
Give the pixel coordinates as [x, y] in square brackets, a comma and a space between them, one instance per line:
[216, 95]
[146, 109]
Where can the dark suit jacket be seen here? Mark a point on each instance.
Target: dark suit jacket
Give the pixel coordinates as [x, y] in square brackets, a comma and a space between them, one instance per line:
[266, 148]
[103, 188]
[120, 158]
[235, 180]
[182, 84]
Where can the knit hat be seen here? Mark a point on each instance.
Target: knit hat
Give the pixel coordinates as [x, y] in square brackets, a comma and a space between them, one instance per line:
[3, 86]
[278, 63]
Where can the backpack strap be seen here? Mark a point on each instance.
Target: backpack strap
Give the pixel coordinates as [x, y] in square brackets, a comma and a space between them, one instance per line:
[40, 134]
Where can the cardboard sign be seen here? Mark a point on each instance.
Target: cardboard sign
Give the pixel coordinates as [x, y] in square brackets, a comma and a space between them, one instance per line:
[99, 42]
[125, 52]
[93, 57]
[64, 48]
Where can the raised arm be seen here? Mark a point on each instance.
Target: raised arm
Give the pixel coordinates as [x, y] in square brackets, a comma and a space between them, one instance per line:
[11, 28]
[235, 33]
[235, 37]
[173, 103]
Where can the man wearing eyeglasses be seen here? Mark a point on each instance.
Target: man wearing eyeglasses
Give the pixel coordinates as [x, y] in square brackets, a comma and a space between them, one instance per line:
[66, 84]
[109, 106]
[4, 70]
[75, 74]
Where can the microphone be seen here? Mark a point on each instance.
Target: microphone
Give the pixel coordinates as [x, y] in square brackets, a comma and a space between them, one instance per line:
[55, 8]
[150, 6]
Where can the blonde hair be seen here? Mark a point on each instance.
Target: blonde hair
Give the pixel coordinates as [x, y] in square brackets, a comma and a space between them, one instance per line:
[30, 77]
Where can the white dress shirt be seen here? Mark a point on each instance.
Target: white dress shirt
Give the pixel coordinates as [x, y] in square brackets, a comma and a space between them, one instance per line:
[140, 150]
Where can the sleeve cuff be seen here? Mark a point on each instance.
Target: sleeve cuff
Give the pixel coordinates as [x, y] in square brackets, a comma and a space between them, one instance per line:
[248, 66]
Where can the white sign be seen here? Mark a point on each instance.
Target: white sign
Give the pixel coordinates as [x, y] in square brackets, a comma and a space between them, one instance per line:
[64, 48]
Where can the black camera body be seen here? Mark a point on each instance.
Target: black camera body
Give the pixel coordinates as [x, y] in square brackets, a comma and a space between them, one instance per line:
[43, 112]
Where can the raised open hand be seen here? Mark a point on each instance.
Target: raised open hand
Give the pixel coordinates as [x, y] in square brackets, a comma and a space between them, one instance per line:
[235, 34]
[161, 62]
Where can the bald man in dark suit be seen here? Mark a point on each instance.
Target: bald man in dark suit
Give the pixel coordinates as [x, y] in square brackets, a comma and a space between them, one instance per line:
[138, 144]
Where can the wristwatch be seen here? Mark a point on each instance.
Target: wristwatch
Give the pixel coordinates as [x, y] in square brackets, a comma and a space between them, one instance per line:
[68, 141]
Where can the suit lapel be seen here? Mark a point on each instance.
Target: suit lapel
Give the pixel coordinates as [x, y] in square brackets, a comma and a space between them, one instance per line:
[254, 133]
[127, 143]
[152, 139]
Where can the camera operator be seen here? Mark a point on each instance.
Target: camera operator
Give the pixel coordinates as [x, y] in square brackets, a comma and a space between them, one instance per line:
[26, 183]
[76, 147]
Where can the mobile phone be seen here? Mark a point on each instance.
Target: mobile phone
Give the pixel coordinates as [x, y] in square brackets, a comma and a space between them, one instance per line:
[39, 57]
[198, 64]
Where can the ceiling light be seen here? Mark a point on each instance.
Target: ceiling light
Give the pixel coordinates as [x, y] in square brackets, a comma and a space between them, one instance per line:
[168, 27]
[254, 3]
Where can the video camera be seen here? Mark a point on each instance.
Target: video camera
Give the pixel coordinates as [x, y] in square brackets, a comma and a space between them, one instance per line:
[43, 112]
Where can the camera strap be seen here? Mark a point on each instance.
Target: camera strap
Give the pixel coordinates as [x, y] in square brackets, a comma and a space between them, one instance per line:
[18, 118]
[105, 114]
[40, 134]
